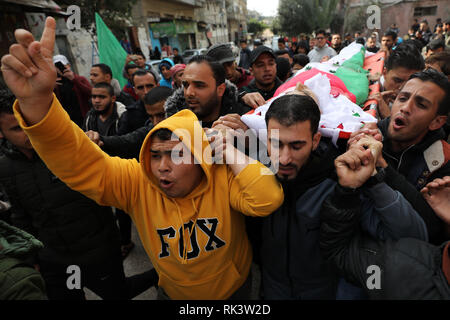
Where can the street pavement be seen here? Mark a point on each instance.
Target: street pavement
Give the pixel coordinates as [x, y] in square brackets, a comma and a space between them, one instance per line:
[138, 262]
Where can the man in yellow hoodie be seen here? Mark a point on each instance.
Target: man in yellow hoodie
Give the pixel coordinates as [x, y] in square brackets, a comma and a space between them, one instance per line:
[187, 209]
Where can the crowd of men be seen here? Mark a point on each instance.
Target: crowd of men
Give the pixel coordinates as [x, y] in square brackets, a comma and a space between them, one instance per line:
[82, 160]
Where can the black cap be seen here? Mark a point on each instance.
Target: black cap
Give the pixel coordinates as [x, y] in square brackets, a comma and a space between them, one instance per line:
[221, 52]
[258, 51]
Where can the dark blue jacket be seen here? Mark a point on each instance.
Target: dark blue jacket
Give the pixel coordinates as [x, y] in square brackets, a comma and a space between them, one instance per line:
[291, 261]
[409, 171]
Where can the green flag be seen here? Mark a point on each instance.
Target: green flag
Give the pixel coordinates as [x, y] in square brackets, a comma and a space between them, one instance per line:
[110, 51]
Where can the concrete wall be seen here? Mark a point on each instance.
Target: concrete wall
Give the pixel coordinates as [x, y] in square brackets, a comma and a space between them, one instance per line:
[78, 47]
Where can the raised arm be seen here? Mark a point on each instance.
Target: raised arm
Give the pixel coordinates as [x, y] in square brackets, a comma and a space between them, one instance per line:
[30, 74]
[254, 190]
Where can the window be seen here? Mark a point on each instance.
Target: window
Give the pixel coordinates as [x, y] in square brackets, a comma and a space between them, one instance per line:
[425, 11]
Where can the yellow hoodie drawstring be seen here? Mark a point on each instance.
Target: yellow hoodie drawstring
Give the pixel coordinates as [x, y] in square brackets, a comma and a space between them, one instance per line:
[186, 239]
[190, 232]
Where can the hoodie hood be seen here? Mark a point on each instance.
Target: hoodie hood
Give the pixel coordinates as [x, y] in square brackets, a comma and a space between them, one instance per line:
[166, 61]
[17, 243]
[230, 103]
[186, 127]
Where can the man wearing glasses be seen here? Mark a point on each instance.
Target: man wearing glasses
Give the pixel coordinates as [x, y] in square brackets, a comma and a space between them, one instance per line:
[321, 52]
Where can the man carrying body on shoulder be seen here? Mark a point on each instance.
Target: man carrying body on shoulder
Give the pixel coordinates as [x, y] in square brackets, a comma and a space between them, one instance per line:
[399, 66]
[290, 259]
[415, 151]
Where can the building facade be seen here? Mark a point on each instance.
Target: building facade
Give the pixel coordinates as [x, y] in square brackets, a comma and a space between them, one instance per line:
[403, 12]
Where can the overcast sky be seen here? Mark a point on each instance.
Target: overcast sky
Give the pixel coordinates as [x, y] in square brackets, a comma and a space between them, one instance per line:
[264, 7]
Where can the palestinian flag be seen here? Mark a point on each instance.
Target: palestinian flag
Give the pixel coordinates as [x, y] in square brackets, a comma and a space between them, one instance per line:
[341, 86]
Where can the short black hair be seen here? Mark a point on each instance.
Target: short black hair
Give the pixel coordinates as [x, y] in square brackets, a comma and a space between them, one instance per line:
[439, 79]
[104, 85]
[293, 108]
[390, 33]
[140, 53]
[283, 68]
[303, 44]
[162, 134]
[436, 44]
[301, 59]
[7, 99]
[321, 31]
[442, 59]
[281, 40]
[143, 72]
[418, 44]
[360, 40]
[157, 94]
[131, 66]
[216, 67]
[104, 67]
[176, 49]
[281, 52]
[407, 56]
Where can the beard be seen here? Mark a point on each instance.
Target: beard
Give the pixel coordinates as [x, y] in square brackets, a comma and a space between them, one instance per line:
[208, 107]
[104, 111]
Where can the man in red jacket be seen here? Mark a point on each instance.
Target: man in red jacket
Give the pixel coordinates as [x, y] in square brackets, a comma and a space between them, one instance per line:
[73, 89]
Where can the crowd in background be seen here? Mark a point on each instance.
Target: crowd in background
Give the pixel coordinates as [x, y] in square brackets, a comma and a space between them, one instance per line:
[312, 229]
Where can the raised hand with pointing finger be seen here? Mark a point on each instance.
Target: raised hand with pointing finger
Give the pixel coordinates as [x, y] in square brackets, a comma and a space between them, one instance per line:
[29, 72]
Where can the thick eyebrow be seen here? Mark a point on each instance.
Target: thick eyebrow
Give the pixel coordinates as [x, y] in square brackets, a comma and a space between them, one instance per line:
[418, 98]
[423, 100]
[297, 142]
[291, 142]
[199, 82]
[161, 152]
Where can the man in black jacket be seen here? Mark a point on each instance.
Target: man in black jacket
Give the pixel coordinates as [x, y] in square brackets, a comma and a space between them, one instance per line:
[74, 229]
[206, 93]
[414, 149]
[106, 111]
[104, 118]
[403, 269]
[291, 263]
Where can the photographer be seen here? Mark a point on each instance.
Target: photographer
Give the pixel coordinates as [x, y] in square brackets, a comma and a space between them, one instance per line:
[73, 89]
